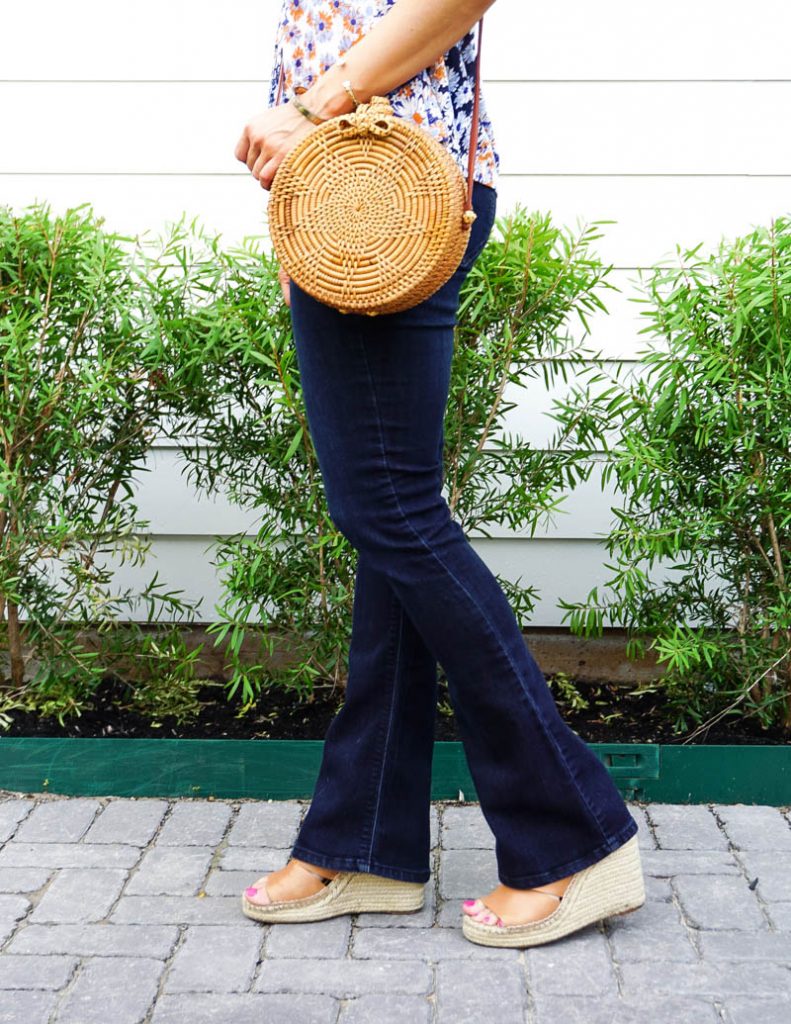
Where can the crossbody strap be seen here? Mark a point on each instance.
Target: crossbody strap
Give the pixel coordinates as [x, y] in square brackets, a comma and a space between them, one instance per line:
[474, 124]
[473, 127]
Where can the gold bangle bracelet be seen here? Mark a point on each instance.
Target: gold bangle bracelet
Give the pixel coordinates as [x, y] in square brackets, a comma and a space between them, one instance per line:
[313, 118]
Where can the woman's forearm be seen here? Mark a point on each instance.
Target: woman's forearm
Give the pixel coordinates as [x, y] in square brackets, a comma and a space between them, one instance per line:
[409, 38]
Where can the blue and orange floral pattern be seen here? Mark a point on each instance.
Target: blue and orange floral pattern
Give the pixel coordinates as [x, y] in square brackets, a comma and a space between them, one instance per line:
[313, 34]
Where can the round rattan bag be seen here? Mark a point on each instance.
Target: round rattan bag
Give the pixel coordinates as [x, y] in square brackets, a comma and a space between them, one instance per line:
[367, 213]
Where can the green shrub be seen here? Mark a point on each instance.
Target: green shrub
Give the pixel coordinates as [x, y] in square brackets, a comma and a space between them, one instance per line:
[79, 406]
[701, 457]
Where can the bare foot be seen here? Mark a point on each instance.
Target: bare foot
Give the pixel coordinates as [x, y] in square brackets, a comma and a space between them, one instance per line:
[517, 906]
[293, 882]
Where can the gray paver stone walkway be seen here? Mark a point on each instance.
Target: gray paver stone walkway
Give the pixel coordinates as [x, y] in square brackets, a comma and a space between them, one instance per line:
[127, 911]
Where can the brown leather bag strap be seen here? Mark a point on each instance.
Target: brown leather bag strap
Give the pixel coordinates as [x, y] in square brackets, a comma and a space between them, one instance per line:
[473, 127]
[279, 80]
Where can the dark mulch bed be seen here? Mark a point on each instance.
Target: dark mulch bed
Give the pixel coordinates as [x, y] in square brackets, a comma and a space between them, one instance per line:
[284, 715]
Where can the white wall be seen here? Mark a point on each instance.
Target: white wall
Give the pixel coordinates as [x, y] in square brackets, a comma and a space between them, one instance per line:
[666, 117]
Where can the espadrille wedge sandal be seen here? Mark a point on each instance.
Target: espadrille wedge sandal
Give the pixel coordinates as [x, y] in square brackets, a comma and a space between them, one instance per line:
[349, 892]
[611, 886]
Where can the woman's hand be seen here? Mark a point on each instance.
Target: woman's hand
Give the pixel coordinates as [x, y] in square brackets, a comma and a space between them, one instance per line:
[265, 141]
[285, 281]
[268, 137]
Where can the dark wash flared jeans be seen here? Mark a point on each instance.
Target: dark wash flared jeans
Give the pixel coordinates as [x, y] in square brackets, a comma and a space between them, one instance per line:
[375, 391]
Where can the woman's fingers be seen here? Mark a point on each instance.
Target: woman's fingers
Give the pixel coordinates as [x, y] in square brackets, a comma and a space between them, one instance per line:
[254, 145]
[240, 152]
[263, 170]
[257, 142]
[247, 148]
[285, 281]
[267, 138]
[267, 173]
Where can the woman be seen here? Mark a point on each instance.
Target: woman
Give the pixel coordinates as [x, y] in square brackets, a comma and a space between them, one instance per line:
[375, 391]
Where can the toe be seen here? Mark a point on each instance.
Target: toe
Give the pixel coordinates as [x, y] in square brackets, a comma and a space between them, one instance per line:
[257, 893]
[478, 911]
[487, 916]
[472, 907]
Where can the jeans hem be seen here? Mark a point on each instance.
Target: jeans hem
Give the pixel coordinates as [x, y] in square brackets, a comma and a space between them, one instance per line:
[373, 867]
[573, 866]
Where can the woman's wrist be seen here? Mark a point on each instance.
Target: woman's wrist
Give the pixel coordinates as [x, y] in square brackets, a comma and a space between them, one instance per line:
[327, 97]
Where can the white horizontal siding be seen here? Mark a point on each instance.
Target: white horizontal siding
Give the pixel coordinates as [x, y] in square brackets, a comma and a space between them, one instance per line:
[665, 118]
[550, 128]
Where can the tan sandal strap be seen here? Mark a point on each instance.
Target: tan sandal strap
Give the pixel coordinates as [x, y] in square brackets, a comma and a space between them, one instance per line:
[304, 867]
[547, 893]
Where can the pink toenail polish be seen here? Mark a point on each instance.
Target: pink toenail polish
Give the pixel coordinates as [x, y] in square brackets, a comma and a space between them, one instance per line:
[469, 903]
[251, 891]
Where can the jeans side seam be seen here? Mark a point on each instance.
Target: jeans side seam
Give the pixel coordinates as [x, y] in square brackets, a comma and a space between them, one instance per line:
[536, 710]
[368, 832]
[394, 692]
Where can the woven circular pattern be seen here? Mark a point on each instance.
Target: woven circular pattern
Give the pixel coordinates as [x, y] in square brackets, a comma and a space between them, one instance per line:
[366, 213]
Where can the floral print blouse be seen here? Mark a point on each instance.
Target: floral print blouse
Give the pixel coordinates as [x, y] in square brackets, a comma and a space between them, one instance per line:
[313, 34]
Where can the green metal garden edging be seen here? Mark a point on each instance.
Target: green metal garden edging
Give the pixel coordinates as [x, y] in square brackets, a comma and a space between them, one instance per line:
[287, 769]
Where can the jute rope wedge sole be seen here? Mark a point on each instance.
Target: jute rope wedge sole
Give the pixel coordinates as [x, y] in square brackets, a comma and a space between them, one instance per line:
[349, 892]
[611, 886]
